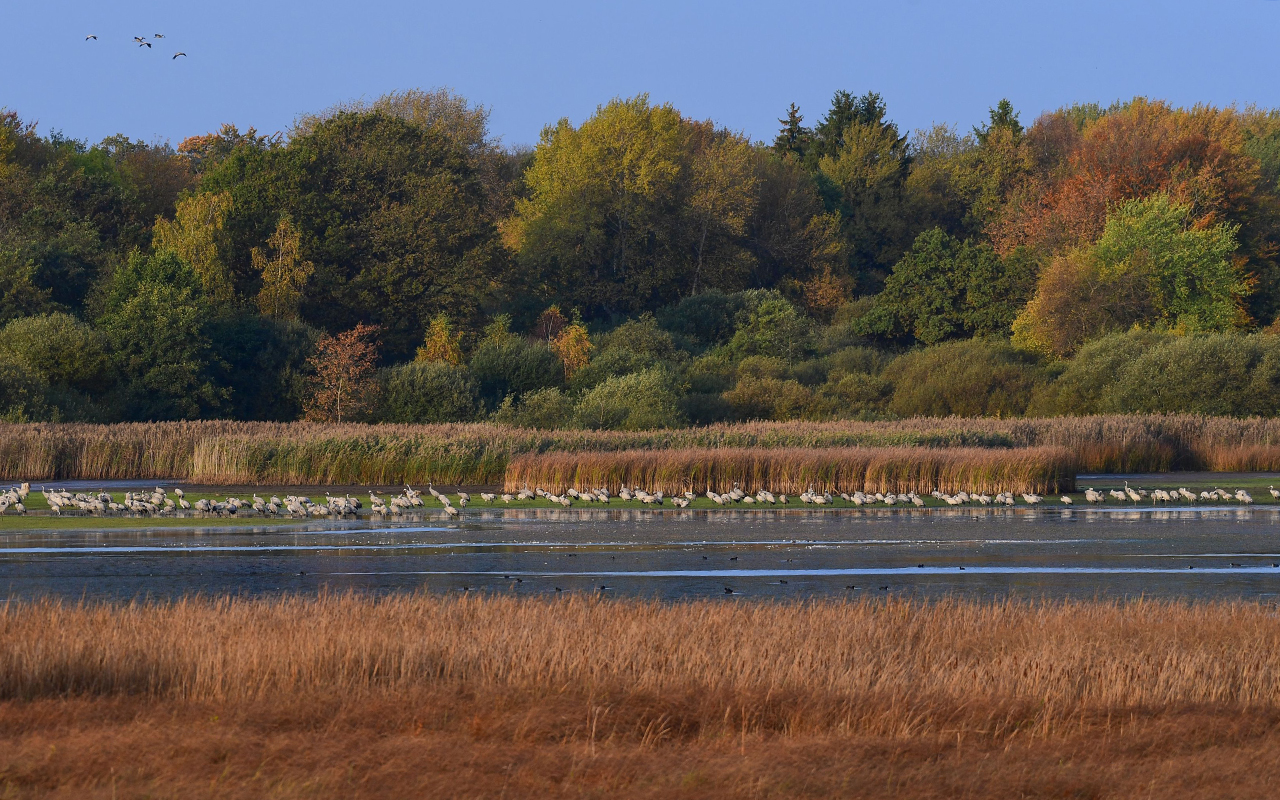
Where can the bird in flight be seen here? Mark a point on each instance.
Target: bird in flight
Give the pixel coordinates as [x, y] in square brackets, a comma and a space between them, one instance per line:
[90, 36]
[175, 55]
[139, 39]
[146, 45]
[157, 36]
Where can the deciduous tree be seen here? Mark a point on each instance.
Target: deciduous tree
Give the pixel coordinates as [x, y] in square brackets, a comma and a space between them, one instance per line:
[285, 274]
[343, 386]
[197, 235]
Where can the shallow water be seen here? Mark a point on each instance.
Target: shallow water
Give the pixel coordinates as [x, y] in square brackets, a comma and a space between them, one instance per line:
[981, 553]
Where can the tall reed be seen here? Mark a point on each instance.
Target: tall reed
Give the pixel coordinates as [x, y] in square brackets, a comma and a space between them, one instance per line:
[306, 453]
[792, 470]
[1058, 654]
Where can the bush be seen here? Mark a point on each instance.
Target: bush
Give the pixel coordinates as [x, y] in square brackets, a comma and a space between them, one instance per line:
[1083, 386]
[852, 394]
[22, 392]
[705, 319]
[968, 378]
[762, 367]
[428, 391]
[767, 397]
[544, 408]
[711, 373]
[706, 408]
[61, 350]
[510, 365]
[859, 359]
[1215, 374]
[770, 326]
[640, 401]
[634, 346]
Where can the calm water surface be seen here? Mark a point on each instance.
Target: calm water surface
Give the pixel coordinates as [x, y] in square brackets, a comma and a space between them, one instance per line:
[987, 553]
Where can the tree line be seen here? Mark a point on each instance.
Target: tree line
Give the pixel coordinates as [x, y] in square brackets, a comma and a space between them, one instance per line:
[391, 260]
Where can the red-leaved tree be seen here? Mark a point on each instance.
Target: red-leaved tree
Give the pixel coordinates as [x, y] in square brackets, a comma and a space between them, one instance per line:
[343, 385]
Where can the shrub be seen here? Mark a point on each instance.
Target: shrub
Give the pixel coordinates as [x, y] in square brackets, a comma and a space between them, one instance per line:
[968, 378]
[762, 367]
[61, 350]
[510, 365]
[634, 346]
[1082, 387]
[770, 326]
[706, 408]
[767, 397]
[1219, 374]
[859, 359]
[852, 394]
[712, 373]
[640, 401]
[22, 392]
[428, 391]
[705, 319]
[544, 408]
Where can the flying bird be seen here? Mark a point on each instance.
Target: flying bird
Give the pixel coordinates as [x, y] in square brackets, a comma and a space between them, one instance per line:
[175, 55]
[157, 36]
[146, 45]
[139, 39]
[90, 36]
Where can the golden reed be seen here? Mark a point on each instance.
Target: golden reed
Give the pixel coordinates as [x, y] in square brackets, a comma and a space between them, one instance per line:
[792, 470]
[496, 696]
[220, 452]
[1066, 654]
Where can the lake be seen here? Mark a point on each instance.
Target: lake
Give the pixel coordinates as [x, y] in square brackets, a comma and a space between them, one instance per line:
[981, 553]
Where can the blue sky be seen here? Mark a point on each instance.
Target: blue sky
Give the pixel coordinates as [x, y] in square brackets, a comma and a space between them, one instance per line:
[262, 62]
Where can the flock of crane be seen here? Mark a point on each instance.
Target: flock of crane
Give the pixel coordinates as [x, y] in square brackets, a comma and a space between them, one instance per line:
[163, 502]
[1129, 494]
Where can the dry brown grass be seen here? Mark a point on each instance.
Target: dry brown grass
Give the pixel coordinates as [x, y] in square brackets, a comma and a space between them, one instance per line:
[307, 453]
[486, 696]
[831, 659]
[792, 470]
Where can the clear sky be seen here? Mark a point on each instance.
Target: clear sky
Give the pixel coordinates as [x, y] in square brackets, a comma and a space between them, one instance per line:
[262, 62]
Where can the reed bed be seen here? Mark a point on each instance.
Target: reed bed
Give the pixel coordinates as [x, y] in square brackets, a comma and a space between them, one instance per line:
[220, 452]
[1058, 654]
[496, 696]
[792, 470]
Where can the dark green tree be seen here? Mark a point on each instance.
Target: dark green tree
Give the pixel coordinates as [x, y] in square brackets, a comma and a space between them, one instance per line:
[1002, 118]
[794, 137]
[391, 215]
[154, 316]
[945, 288]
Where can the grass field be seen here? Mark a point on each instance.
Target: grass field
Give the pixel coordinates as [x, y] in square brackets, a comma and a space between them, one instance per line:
[500, 697]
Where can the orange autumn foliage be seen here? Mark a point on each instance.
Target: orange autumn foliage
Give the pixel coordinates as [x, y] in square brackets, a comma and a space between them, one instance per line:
[343, 385]
[1196, 156]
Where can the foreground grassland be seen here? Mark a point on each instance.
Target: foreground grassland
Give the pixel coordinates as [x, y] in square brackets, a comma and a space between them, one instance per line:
[491, 697]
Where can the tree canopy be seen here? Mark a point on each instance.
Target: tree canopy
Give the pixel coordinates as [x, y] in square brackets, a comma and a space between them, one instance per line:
[642, 267]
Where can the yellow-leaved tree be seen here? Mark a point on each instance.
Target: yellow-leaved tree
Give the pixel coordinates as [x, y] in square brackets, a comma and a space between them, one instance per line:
[285, 274]
[573, 347]
[197, 235]
[441, 343]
